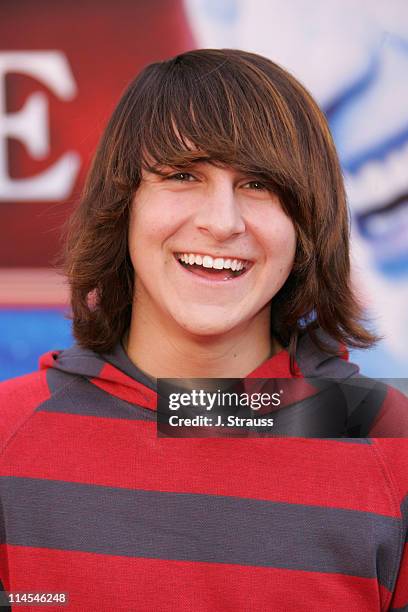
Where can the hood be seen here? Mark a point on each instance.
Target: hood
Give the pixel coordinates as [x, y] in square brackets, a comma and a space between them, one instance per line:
[117, 375]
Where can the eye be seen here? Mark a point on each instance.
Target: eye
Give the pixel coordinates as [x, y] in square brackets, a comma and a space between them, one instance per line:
[256, 186]
[181, 177]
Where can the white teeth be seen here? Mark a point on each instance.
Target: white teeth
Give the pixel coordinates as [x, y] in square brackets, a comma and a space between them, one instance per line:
[218, 263]
[207, 261]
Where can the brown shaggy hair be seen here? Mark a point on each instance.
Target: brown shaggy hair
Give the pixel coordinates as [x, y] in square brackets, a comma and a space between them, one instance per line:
[228, 107]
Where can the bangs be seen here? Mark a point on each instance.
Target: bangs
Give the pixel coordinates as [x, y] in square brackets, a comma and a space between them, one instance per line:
[205, 111]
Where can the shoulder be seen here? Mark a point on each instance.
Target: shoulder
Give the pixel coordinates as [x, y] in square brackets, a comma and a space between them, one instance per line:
[19, 398]
[392, 417]
[376, 409]
[392, 455]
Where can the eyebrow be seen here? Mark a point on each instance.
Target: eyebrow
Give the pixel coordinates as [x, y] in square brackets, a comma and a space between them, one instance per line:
[158, 168]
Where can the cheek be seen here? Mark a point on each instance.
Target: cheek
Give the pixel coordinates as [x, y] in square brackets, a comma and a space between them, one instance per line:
[156, 217]
[145, 230]
[280, 239]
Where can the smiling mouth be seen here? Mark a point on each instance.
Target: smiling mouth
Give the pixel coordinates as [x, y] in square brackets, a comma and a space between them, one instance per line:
[219, 268]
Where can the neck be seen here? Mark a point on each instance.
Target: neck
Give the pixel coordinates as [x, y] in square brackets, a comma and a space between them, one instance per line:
[163, 350]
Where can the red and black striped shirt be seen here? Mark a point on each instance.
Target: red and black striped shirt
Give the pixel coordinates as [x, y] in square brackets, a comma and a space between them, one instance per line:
[96, 505]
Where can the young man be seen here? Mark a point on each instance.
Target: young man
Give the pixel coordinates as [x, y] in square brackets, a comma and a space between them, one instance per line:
[211, 242]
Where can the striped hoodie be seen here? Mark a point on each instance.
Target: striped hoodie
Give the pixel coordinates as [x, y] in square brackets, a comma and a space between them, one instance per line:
[94, 504]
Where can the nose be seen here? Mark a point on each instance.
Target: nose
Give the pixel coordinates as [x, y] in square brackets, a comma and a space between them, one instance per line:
[219, 213]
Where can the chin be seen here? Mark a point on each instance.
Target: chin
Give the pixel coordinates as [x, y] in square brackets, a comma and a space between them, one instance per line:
[204, 327]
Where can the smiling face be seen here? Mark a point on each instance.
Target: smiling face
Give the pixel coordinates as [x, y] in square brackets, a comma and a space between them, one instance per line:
[225, 220]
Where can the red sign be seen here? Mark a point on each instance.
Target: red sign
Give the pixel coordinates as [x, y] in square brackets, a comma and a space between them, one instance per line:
[63, 67]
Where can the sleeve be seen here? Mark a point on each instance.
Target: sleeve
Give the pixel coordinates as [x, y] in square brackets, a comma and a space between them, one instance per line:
[399, 600]
[18, 399]
[394, 456]
[4, 572]
[2, 599]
